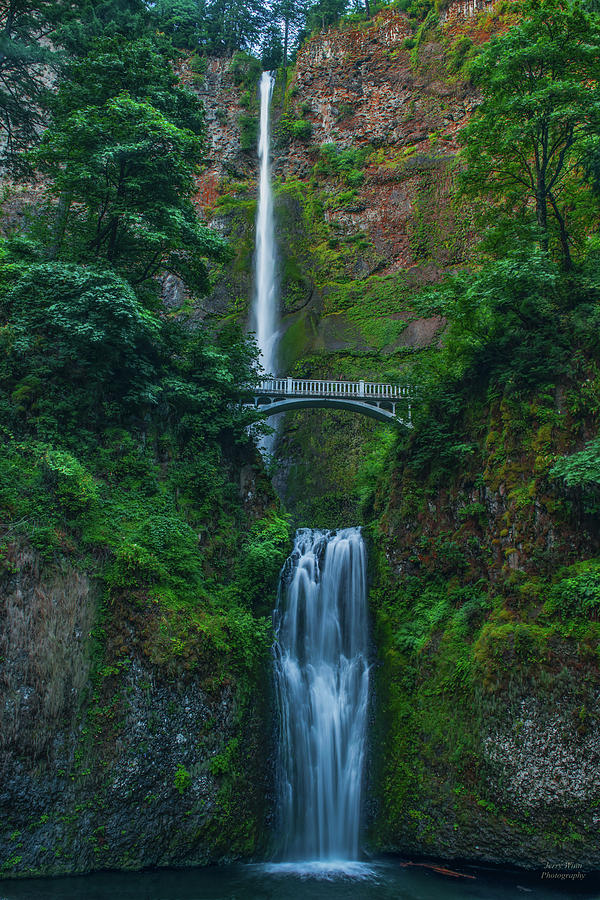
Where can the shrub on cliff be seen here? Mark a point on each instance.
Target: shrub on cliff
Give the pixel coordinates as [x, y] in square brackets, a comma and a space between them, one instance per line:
[246, 70]
[580, 472]
[83, 337]
[578, 595]
[264, 553]
[582, 468]
[297, 129]
[346, 164]
[301, 129]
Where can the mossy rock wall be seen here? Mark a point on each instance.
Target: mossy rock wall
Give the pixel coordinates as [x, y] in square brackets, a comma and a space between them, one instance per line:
[485, 599]
[135, 704]
[153, 758]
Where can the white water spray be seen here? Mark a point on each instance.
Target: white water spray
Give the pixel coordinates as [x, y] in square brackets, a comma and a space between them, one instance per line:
[264, 311]
[322, 683]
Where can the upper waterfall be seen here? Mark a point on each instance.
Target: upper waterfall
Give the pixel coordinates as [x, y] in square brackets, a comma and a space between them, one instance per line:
[264, 310]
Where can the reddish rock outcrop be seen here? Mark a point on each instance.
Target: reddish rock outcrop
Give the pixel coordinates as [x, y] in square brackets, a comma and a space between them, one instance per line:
[364, 87]
[221, 99]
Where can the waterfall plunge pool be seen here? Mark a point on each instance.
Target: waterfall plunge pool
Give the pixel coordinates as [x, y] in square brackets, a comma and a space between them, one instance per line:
[380, 880]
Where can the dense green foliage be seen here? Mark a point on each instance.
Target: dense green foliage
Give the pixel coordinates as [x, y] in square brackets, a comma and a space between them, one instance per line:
[118, 116]
[516, 321]
[124, 205]
[141, 69]
[581, 468]
[122, 427]
[526, 315]
[78, 27]
[215, 26]
[86, 365]
[37, 41]
[74, 341]
[541, 111]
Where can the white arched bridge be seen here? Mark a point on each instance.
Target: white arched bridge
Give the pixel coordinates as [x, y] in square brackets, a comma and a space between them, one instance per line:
[386, 402]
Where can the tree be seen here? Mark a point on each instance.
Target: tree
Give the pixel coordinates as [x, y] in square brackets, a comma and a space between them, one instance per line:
[84, 23]
[34, 35]
[541, 103]
[325, 13]
[292, 14]
[127, 172]
[122, 150]
[139, 68]
[272, 48]
[78, 351]
[75, 338]
[25, 66]
[217, 26]
[235, 24]
[183, 21]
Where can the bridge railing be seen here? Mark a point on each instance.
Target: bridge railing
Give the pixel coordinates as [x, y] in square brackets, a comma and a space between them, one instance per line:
[359, 390]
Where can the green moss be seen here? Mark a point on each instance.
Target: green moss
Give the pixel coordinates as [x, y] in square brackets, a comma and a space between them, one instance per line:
[319, 496]
[439, 228]
[246, 70]
[182, 780]
[374, 308]
[293, 343]
[248, 131]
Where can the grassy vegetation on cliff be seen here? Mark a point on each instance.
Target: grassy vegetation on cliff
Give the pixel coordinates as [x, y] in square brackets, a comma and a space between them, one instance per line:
[486, 590]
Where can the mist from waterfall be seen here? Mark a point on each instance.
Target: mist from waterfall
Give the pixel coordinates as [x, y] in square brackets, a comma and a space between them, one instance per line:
[264, 310]
[322, 685]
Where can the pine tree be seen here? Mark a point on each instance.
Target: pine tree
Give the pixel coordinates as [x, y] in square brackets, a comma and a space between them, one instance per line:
[26, 68]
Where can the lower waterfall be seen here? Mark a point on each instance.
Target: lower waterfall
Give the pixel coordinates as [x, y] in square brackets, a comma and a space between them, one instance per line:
[322, 687]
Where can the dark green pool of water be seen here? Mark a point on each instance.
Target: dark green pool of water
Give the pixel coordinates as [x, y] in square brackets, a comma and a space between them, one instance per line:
[381, 880]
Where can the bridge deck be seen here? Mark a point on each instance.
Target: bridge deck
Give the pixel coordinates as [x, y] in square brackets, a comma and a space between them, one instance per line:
[311, 387]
